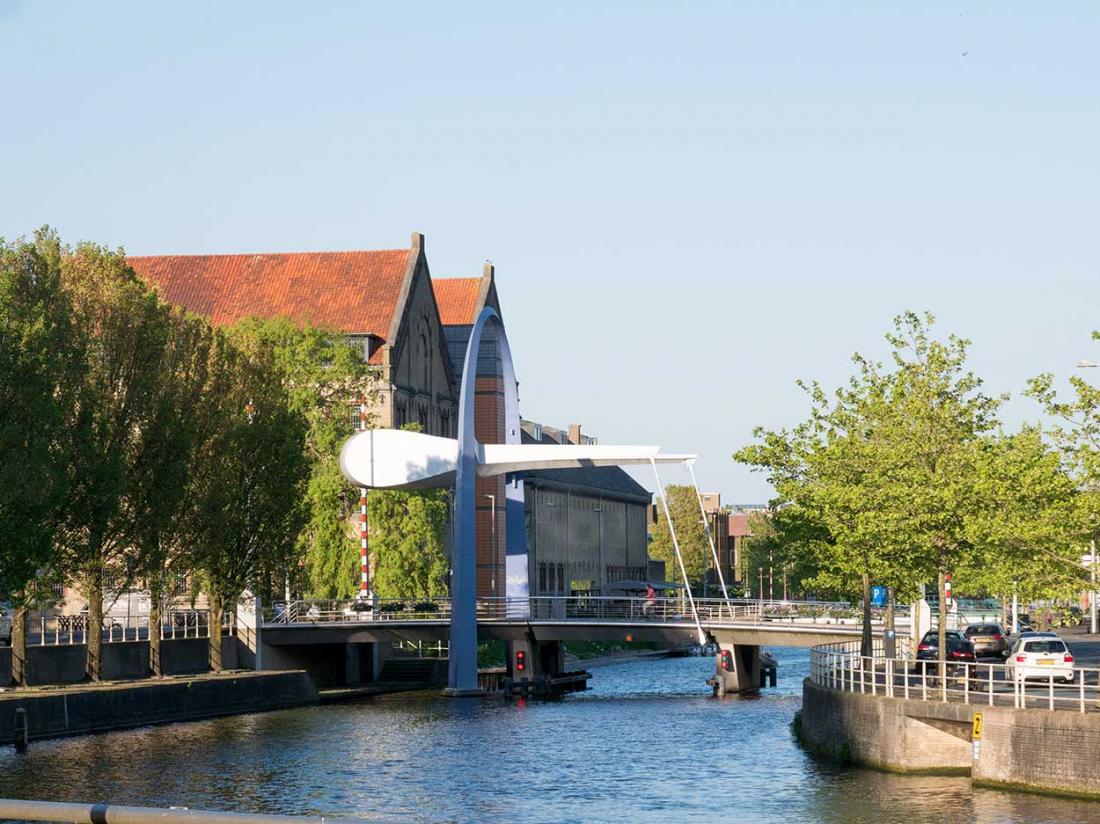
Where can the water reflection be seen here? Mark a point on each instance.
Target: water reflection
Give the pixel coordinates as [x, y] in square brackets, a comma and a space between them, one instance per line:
[646, 743]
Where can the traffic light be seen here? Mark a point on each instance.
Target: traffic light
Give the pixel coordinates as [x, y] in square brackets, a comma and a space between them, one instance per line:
[727, 660]
[521, 660]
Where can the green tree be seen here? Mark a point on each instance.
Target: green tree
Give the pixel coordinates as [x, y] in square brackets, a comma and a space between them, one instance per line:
[1033, 524]
[245, 509]
[888, 465]
[683, 505]
[408, 542]
[39, 368]
[111, 427]
[326, 379]
[175, 433]
[786, 543]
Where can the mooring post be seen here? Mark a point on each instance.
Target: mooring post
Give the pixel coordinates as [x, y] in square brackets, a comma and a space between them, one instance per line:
[21, 731]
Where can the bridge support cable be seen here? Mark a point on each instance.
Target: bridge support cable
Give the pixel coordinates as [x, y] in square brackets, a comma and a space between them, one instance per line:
[710, 537]
[676, 548]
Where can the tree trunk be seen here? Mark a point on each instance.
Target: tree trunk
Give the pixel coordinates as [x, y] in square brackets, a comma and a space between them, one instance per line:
[19, 647]
[93, 633]
[943, 623]
[866, 645]
[154, 631]
[215, 655]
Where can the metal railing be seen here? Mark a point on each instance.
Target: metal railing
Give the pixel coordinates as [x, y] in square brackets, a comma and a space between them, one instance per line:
[580, 608]
[11, 809]
[46, 629]
[840, 666]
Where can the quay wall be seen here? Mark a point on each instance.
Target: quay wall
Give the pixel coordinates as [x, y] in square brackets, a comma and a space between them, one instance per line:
[104, 707]
[65, 663]
[1031, 749]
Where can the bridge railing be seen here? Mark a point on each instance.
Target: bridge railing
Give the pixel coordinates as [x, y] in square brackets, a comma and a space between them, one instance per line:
[49, 630]
[580, 608]
[840, 666]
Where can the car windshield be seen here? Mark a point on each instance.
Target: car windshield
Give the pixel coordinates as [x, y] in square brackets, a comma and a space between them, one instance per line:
[984, 629]
[1045, 646]
[933, 637]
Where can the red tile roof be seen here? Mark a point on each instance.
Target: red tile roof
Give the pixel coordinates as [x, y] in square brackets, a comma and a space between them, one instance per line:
[739, 526]
[457, 299]
[355, 292]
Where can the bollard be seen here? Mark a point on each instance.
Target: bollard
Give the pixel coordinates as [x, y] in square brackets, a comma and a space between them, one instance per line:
[21, 731]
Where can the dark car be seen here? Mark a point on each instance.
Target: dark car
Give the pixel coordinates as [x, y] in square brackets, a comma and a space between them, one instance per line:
[960, 651]
[988, 639]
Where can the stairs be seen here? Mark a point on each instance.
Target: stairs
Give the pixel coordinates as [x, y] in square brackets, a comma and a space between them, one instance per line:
[426, 671]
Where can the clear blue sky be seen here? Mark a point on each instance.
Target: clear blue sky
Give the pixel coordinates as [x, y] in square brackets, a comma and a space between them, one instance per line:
[689, 209]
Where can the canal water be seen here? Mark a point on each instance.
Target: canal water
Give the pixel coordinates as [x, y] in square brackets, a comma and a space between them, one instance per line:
[646, 743]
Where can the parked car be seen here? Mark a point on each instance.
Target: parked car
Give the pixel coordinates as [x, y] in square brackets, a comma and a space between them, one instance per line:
[1041, 655]
[960, 651]
[988, 639]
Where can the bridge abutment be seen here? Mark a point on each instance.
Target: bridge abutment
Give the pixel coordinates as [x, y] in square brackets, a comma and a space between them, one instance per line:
[736, 669]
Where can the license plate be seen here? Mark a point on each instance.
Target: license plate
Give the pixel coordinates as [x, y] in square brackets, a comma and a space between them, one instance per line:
[1046, 662]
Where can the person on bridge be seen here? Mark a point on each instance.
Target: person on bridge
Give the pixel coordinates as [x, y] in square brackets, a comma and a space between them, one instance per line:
[650, 600]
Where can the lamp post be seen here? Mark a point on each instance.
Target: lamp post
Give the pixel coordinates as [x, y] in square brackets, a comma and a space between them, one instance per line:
[1087, 364]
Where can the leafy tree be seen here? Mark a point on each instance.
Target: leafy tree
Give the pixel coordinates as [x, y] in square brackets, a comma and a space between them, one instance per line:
[408, 541]
[683, 505]
[1032, 525]
[325, 378]
[39, 368]
[785, 541]
[175, 432]
[111, 426]
[888, 465]
[245, 505]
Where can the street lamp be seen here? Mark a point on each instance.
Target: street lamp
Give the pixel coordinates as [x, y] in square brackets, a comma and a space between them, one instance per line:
[1087, 364]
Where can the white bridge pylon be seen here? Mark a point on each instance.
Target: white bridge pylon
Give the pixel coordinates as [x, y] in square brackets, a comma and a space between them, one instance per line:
[401, 459]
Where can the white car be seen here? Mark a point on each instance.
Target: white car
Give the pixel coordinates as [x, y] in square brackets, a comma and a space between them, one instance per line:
[1041, 657]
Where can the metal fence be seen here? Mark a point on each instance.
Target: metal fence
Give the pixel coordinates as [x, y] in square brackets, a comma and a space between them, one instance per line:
[580, 608]
[45, 629]
[19, 810]
[841, 666]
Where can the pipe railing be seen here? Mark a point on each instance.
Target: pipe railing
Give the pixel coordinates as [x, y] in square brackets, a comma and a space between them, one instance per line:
[580, 608]
[46, 629]
[68, 813]
[841, 666]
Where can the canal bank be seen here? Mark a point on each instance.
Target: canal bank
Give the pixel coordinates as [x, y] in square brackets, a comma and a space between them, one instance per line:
[92, 708]
[646, 743]
[1034, 750]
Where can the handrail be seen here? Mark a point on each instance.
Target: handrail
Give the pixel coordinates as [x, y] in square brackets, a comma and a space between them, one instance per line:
[27, 810]
[841, 666]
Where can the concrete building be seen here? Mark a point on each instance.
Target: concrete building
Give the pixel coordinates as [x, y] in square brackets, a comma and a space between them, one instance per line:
[586, 528]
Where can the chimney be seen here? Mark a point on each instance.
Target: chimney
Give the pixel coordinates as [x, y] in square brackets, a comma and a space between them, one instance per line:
[574, 433]
[488, 270]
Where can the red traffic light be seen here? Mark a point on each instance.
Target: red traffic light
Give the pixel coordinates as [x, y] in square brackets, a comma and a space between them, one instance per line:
[521, 660]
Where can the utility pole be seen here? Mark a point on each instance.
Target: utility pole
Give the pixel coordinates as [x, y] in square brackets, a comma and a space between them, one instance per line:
[493, 504]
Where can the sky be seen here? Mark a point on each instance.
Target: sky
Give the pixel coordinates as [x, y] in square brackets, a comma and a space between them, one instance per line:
[689, 206]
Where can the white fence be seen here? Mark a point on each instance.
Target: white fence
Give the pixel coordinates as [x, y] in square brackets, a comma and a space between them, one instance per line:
[840, 666]
[45, 629]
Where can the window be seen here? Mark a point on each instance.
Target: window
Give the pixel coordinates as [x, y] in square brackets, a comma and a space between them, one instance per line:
[422, 417]
[355, 417]
[400, 415]
[1044, 646]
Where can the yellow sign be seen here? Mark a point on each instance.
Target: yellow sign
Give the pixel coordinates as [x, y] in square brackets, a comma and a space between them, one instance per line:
[976, 734]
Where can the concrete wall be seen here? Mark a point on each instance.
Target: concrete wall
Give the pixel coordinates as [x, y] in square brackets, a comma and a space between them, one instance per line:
[65, 664]
[894, 734]
[87, 709]
[1040, 750]
[1035, 750]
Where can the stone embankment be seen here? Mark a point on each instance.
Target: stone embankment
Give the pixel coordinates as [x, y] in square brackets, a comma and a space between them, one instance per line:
[90, 708]
[1027, 749]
